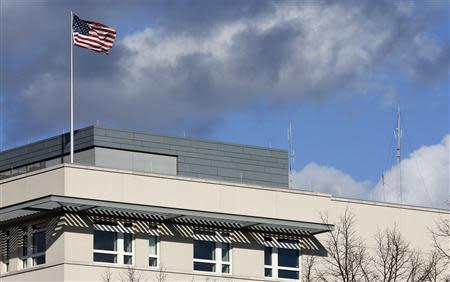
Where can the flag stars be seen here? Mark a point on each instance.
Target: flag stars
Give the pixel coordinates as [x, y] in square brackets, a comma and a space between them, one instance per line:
[80, 26]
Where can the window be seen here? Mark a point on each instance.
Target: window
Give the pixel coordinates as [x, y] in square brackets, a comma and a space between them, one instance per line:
[281, 258]
[25, 247]
[7, 250]
[113, 247]
[211, 256]
[105, 246]
[128, 248]
[33, 245]
[153, 251]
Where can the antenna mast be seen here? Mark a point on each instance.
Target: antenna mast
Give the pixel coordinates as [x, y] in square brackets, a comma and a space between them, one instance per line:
[398, 135]
[291, 153]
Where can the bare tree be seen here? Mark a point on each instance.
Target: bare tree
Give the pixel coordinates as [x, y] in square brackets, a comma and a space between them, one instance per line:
[347, 257]
[107, 275]
[161, 275]
[418, 270]
[441, 236]
[131, 275]
[308, 264]
[435, 267]
[393, 259]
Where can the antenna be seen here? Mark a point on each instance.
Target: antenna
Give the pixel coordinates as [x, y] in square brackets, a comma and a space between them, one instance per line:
[398, 135]
[291, 153]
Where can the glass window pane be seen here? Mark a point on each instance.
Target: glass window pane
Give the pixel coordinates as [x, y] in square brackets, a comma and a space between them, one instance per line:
[128, 260]
[225, 252]
[152, 245]
[153, 262]
[287, 258]
[38, 242]
[34, 166]
[288, 274]
[39, 260]
[5, 174]
[267, 256]
[99, 257]
[268, 272]
[203, 266]
[127, 242]
[24, 245]
[104, 240]
[204, 250]
[225, 268]
[19, 170]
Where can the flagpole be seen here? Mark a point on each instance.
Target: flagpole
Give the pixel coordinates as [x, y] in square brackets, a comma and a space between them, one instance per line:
[71, 87]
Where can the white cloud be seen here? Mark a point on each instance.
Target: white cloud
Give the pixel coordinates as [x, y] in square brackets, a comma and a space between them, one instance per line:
[425, 179]
[322, 47]
[314, 177]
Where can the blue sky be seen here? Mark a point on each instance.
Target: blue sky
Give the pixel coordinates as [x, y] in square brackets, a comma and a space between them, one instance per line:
[241, 71]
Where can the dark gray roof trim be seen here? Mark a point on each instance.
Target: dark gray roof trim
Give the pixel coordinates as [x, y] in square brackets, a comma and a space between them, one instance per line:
[54, 203]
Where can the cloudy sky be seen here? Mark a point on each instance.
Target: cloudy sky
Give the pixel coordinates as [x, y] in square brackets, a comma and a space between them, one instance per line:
[241, 71]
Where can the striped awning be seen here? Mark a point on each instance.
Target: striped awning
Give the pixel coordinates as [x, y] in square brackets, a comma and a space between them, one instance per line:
[274, 242]
[52, 204]
[214, 236]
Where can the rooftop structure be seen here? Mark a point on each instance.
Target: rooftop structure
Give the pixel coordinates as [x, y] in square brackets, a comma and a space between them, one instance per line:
[144, 152]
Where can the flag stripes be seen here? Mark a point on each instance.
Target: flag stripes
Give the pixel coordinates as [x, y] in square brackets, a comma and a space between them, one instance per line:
[92, 35]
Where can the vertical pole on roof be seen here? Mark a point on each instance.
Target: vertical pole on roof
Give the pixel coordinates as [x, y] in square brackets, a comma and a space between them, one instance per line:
[398, 134]
[71, 88]
[291, 153]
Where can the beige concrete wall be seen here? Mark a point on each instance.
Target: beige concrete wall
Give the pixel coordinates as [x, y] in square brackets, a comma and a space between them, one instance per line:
[32, 185]
[413, 223]
[253, 258]
[176, 254]
[42, 273]
[89, 272]
[78, 244]
[141, 250]
[192, 194]
[75, 247]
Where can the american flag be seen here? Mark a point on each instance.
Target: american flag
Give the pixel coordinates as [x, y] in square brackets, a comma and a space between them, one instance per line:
[91, 35]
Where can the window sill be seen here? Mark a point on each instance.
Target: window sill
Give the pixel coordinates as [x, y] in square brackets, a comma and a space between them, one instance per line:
[112, 263]
[219, 274]
[280, 279]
